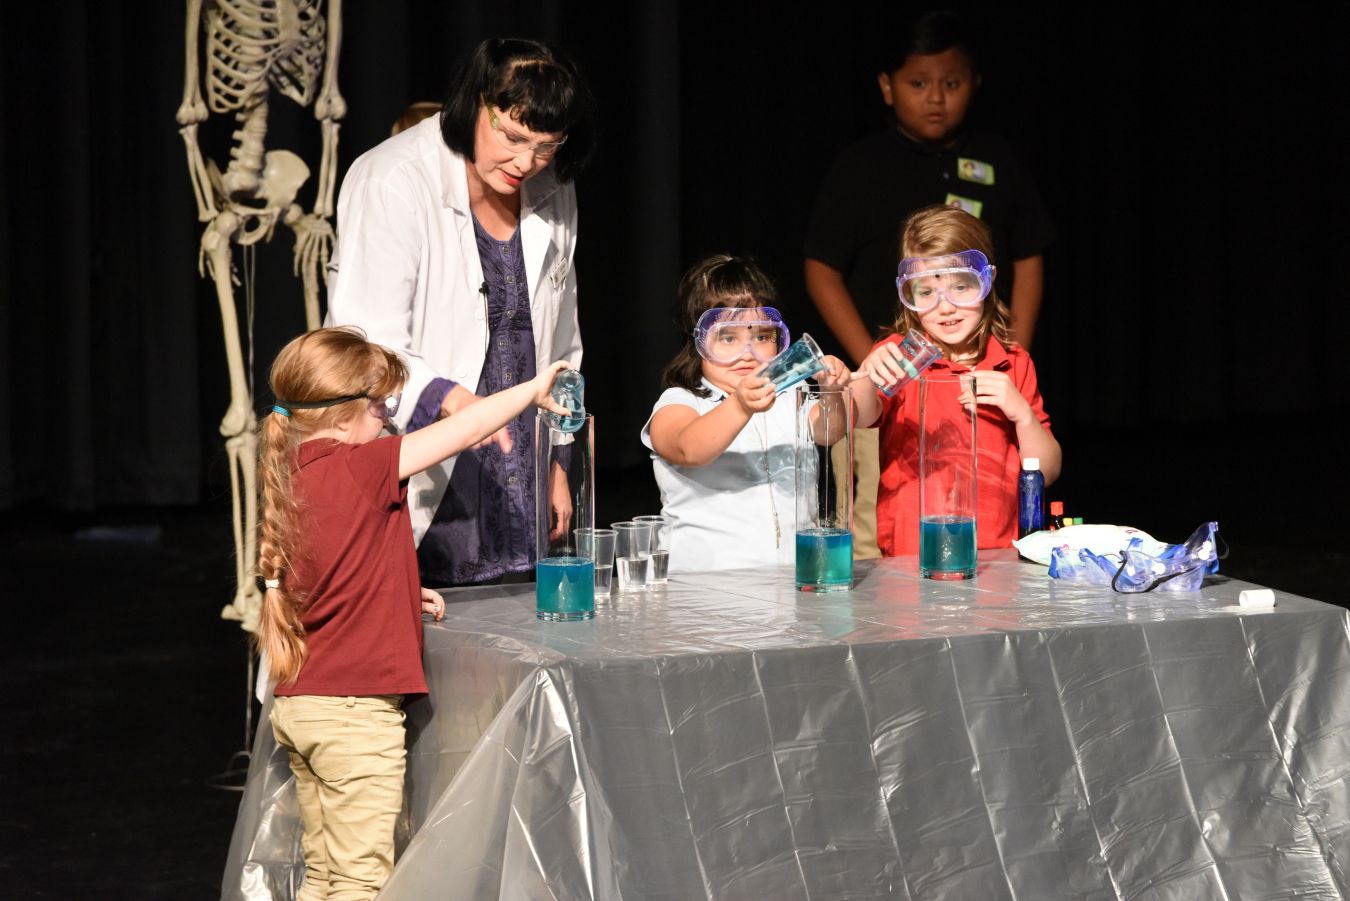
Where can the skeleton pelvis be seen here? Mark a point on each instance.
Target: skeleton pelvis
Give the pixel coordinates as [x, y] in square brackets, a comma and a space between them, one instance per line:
[282, 175]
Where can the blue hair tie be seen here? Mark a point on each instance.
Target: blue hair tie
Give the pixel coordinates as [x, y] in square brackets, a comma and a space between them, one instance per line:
[282, 410]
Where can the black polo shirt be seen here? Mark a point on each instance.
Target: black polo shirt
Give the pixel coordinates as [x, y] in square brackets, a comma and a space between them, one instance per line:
[874, 184]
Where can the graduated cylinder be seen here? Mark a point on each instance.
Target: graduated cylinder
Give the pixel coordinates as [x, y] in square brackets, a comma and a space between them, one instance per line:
[564, 501]
[947, 476]
[824, 502]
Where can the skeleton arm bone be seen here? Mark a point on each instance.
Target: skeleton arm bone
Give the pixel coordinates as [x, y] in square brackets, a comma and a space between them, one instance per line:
[329, 107]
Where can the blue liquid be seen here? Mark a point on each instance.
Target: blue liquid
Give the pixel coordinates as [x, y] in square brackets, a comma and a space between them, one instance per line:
[564, 588]
[916, 355]
[947, 547]
[796, 364]
[825, 560]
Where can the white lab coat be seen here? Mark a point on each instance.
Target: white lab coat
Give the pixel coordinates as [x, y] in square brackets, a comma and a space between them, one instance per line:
[405, 268]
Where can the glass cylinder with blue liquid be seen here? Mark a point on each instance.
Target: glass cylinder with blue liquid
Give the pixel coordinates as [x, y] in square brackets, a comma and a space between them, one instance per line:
[824, 497]
[564, 467]
[947, 476]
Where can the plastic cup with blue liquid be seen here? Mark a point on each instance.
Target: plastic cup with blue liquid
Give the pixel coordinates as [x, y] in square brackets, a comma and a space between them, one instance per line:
[796, 364]
[569, 391]
[917, 353]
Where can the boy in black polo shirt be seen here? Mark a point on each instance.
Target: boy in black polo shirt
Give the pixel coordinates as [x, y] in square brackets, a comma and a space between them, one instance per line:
[927, 156]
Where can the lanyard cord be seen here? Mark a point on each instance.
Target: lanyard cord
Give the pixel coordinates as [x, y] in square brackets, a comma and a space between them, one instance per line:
[768, 480]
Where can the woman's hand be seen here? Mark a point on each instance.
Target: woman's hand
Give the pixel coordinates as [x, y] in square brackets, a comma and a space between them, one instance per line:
[543, 384]
[459, 398]
[559, 502]
[433, 603]
[997, 390]
[754, 394]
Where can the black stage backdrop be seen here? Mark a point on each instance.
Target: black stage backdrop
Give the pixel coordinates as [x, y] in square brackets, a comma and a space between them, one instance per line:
[1189, 343]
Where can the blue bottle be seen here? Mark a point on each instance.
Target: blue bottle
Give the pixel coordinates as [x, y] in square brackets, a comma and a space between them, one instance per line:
[1030, 498]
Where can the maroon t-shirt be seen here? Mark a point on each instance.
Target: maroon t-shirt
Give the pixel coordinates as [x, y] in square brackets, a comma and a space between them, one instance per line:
[358, 566]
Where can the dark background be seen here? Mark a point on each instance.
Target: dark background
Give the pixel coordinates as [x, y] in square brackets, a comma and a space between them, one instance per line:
[1189, 345]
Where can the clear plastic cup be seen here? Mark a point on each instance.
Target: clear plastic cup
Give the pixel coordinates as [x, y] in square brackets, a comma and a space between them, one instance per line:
[660, 564]
[796, 364]
[632, 554]
[601, 543]
[917, 353]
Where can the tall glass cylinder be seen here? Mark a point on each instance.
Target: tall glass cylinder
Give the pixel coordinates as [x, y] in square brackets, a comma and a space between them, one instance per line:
[824, 503]
[564, 501]
[947, 477]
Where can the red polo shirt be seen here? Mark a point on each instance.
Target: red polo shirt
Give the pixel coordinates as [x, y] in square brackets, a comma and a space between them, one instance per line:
[997, 457]
[358, 566]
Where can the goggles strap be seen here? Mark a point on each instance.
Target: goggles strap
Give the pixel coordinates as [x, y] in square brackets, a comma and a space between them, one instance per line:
[318, 404]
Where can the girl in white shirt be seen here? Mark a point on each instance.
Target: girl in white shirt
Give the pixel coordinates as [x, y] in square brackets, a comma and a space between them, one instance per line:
[723, 449]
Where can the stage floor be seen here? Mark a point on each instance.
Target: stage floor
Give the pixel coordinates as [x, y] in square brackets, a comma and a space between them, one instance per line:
[729, 737]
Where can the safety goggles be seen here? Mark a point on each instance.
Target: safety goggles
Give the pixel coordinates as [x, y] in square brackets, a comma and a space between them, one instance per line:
[962, 279]
[724, 334]
[380, 407]
[518, 143]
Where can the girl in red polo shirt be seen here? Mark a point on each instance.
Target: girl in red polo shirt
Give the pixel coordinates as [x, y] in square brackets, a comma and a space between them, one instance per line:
[341, 622]
[946, 289]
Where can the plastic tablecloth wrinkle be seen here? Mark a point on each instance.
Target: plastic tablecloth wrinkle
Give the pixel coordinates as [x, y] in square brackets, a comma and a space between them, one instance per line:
[729, 738]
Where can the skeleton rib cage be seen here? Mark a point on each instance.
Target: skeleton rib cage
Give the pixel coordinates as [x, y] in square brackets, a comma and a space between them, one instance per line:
[252, 40]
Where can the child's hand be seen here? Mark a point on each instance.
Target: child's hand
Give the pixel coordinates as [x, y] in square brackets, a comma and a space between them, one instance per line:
[754, 394]
[837, 374]
[883, 365]
[433, 603]
[543, 384]
[997, 390]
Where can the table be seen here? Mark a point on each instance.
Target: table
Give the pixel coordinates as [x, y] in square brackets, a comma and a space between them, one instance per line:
[728, 737]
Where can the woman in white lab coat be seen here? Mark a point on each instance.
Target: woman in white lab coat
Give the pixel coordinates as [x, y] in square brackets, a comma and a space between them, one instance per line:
[455, 242]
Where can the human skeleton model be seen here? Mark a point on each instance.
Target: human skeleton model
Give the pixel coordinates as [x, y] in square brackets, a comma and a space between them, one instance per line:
[253, 46]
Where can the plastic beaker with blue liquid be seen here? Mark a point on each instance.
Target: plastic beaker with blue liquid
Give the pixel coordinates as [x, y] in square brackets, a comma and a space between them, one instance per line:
[947, 477]
[564, 466]
[916, 353]
[798, 363]
[569, 389]
[824, 498]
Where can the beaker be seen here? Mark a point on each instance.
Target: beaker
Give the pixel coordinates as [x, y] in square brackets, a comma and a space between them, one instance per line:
[569, 390]
[917, 353]
[564, 501]
[824, 503]
[798, 363]
[947, 477]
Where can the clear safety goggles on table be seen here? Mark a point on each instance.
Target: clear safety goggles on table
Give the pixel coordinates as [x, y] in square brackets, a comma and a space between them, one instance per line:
[962, 279]
[724, 334]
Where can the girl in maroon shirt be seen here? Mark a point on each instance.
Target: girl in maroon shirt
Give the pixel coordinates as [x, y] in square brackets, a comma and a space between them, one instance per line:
[341, 620]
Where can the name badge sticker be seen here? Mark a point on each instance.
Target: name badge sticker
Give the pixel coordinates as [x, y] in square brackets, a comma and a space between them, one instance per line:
[974, 170]
[965, 203]
[558, 274]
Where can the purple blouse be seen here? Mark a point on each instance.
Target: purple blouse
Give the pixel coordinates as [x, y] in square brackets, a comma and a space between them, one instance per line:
[484, 526]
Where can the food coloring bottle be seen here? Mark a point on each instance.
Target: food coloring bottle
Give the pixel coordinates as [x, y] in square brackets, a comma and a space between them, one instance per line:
[1056, 516]
[1030, 498]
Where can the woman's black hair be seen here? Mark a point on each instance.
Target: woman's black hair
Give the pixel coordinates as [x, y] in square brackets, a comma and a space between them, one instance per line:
[538, 84]
[718, 281]
[931, 33]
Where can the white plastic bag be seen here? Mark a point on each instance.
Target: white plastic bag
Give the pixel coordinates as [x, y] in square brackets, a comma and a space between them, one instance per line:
[1099, 539]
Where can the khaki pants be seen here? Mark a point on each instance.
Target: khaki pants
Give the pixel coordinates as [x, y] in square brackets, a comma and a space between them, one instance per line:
[348, 758]
[866, 478]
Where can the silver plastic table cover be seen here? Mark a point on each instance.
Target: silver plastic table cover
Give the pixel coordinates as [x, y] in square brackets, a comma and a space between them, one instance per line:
[729, 737]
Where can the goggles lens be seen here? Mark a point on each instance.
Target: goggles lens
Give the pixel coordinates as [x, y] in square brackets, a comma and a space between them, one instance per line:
[385, 407]
[724, 334]
[962, 279]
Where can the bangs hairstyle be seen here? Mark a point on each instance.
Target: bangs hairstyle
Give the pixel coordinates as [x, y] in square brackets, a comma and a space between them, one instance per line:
[927, 35]
[534, 82]
[322, 364]
[718, 281]
[938, 230]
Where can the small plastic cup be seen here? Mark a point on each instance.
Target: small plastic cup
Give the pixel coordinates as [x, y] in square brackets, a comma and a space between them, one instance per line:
[568, 389]
[632, 554]
[796, 364]
[602, 542]
[660, 547]
[917, 353]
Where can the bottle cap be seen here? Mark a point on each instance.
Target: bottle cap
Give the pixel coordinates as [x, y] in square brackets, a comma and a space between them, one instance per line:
[1056, 508]
[1031, 464]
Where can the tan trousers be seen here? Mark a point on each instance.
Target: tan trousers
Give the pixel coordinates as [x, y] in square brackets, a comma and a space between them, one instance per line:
[866, 478]
[348, 758]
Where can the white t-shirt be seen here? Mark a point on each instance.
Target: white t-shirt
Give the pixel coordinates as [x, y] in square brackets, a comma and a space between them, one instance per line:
[723, 513]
